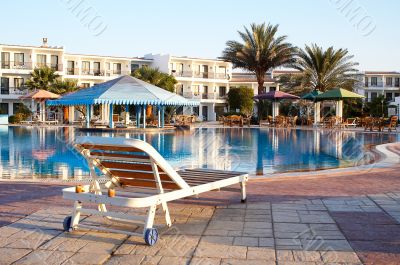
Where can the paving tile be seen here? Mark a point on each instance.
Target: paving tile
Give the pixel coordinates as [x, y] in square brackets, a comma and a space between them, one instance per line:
[205, 261]
[261, 253]
[340, 256]
[246, 262]
[212, 250]
[126, 259]
[45, 257]
[8, 255]
[87, 258]
[246, 241]
[173, 260]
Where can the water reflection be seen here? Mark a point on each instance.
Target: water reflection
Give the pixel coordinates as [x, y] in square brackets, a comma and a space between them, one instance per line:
[47, 152]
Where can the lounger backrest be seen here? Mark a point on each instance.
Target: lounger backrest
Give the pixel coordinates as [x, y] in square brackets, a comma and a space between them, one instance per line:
[132, 162]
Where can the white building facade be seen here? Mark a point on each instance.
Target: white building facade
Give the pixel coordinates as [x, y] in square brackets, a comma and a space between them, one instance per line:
[17, 63]
[203, 80]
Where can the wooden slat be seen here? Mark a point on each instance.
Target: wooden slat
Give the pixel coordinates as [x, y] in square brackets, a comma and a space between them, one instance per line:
[194, 175]
[216, 171]
[138, 175]
[111, 148]
[105, 155]
[144, 183]
[129, 166]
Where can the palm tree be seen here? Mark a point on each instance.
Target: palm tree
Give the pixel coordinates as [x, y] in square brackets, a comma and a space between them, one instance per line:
[260, 51]
[325, 69]
[42, 78]
[63, 86]
[155, 77]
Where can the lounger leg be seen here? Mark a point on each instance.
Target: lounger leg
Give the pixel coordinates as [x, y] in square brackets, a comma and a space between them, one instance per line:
[76, 215]
[167, 216]
[243, 191]
[150, 218]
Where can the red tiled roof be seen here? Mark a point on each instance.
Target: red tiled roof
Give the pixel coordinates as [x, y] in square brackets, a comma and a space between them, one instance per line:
[381, 73]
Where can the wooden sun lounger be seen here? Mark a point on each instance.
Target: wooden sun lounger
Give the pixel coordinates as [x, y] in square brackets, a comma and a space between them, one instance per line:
[149, 179]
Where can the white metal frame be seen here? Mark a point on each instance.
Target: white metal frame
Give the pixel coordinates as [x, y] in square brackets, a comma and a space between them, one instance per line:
[140, 198]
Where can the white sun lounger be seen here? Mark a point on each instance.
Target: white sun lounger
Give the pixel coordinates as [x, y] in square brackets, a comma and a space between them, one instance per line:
[148, 178]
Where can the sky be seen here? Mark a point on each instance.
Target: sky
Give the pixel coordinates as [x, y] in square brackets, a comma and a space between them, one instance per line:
[368, 28]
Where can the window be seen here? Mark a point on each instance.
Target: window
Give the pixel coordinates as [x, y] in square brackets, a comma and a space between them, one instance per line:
[5, 86]
[5, 60]
[196, 90]
[389, 81]
[222, 91]
[134, 66]
[40, 60]
[374, 95]
[18, 82]
[85, 85]
[70, 68]
[96, 68]
[18, 59]
[374, 81]
[396, 95]
[179, 89]
[389, 96]
[117, 68]
[272, 88]
[4, 108]
[85, 67]
[396, 81]
[17, 107]
[366, 81]
[54, 62]
[179, 68]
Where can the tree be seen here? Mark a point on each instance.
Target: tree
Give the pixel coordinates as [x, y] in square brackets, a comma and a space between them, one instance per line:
[241, 98]
[155, 77]
[42, 78]
[378, 107]
[260, 51]
[323, 69]
[63, 86]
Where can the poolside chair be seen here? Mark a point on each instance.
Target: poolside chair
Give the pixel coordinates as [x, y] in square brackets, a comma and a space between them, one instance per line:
[148, 179]
[392, 125]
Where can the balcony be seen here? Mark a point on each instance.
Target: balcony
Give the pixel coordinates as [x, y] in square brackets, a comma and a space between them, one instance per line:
[17, 91]
[72, 71]
[55, 67]
[182, 73]
[16, 65]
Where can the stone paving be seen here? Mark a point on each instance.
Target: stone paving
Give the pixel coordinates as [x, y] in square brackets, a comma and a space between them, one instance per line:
[305, 231]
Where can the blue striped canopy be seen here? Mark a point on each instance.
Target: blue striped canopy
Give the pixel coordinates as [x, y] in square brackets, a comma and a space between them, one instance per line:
[123, 90]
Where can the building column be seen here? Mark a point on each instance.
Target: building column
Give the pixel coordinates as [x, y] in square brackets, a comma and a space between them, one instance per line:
[339, 108]
[111, 121]
[10, 109]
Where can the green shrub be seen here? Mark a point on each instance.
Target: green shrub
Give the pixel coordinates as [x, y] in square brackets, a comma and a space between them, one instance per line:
[12, 119]
[241, 98]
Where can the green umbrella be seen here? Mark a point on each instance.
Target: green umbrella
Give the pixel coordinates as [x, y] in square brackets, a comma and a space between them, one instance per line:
[338, 94]
[311, 95]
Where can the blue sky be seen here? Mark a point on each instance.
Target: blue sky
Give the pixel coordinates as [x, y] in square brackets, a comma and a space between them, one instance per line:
[201, 28]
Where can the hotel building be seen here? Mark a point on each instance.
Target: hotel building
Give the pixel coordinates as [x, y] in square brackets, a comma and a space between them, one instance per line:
[17, 63]
[380, 83]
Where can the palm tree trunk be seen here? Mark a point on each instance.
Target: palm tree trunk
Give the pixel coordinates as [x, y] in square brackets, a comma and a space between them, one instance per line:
[260, 81]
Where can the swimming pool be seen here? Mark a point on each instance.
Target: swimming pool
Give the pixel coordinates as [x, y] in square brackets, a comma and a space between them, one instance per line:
[35, 152]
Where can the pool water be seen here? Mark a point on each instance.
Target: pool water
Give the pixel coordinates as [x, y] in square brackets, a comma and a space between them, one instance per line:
[33, 152]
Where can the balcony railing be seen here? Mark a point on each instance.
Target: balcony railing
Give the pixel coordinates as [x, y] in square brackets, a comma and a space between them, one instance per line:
[55, 67]
[381, 84]
[182, 73]
[72, 71]
[14, 90]
[17, 65]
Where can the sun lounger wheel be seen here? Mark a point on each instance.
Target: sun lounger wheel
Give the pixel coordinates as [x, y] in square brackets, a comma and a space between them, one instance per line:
[151, 236]
[67, 223]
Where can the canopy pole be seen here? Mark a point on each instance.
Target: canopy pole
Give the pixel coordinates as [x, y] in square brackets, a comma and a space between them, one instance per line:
[87, 116]
[144, 116]
[127, 121]
[138, 111]
[111, 121]
[162, 116]
[159, 116]
[317, 113]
